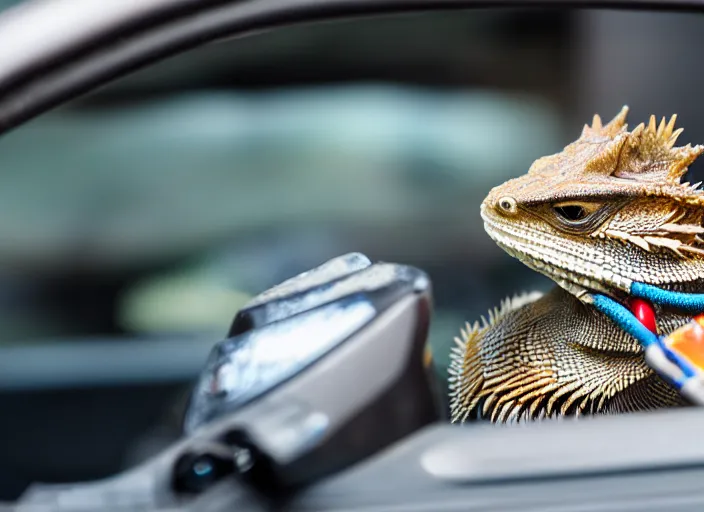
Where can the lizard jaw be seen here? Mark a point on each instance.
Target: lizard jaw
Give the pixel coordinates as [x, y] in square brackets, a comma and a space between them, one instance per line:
[578, 283]
[577, 275]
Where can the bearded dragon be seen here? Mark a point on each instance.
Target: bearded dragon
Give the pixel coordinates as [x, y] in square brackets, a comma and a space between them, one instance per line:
[608, 210]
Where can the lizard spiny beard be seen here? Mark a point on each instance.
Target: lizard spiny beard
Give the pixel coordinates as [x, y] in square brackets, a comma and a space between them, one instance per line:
[527, 362]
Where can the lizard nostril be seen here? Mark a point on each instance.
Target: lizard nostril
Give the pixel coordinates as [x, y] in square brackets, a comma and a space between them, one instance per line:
[508, 205]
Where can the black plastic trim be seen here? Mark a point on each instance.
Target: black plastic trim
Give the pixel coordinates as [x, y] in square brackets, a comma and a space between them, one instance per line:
[72, 54]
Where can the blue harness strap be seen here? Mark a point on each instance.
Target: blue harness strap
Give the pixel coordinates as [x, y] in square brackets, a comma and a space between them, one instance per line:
[666, 362]
[622, 317]
[689, 302]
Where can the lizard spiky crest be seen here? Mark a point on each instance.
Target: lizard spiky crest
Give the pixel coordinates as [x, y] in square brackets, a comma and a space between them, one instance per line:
[646, 154]
[609, 161]
[647, 157]
[613, 128]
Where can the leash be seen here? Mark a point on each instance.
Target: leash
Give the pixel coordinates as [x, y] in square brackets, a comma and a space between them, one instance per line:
[678, 357]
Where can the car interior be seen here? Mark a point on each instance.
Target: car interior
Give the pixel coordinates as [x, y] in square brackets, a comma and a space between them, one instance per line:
[139, 217]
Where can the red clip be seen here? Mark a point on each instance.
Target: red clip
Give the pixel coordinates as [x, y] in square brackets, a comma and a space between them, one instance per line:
[645, 313]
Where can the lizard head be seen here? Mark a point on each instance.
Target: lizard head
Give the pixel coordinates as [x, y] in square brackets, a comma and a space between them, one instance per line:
[608, 210]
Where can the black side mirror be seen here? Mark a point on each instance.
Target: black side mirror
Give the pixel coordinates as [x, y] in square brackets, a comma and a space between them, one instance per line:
[322, 370]
[319, 373]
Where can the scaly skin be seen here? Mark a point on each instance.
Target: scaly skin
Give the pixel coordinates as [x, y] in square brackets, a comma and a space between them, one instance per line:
[608, 210]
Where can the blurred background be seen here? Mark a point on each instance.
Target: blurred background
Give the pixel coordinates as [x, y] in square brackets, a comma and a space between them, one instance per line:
[136, 221]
